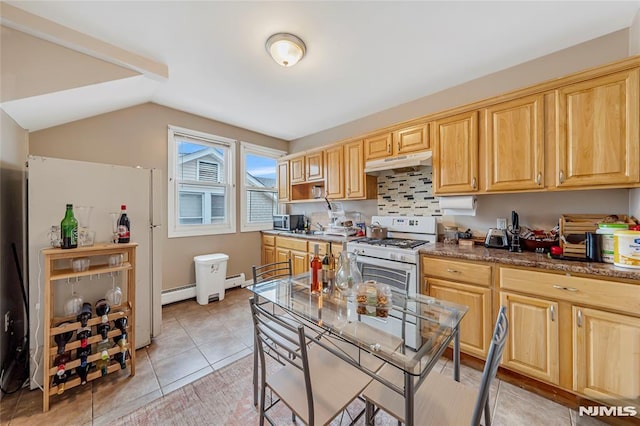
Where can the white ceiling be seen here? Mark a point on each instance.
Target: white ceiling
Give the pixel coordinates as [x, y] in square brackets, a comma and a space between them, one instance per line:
[362, 57]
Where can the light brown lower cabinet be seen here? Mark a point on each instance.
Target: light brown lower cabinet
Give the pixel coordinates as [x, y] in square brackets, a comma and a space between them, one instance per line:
[475, 328]
[606, 356]
[532, 343]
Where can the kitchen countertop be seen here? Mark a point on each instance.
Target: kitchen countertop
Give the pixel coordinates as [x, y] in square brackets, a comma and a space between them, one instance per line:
[529, 259]
[312, 237]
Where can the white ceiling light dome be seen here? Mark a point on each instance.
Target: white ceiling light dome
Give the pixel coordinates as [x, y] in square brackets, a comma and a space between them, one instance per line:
[286, 49]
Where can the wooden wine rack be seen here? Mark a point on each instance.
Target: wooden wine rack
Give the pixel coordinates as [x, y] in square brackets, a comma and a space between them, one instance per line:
[53, 256]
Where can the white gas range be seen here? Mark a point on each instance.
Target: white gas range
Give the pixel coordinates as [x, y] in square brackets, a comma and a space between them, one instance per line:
[398, 253]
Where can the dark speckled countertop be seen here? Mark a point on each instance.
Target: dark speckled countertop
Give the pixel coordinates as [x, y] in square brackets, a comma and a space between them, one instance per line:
[531, 260]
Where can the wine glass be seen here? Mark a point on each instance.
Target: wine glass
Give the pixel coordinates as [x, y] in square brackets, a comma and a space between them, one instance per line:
[114, 294]
[74, 304]
[115, 216]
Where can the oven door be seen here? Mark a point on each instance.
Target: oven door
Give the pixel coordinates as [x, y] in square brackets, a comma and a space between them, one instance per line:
[396, 323]
[406, 268]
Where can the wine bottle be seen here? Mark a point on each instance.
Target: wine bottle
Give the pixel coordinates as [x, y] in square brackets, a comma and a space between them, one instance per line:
[316, 265]
[69, 229]
[82, 353]
[121, 356]
[325, 273]
[85, 314]
[62, 339]
[83, 335]
[102, 363]
[59, 381]
[60, 362]
[124, 226]
[102, 309]
[121, 324]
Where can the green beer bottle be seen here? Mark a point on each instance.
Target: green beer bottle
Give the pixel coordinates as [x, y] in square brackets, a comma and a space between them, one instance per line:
[69, 229]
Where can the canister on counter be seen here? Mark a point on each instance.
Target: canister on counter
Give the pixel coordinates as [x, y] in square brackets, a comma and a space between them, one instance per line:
[626, 249]
[607, 230]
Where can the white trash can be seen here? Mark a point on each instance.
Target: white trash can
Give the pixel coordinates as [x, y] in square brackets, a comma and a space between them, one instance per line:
[211, 272]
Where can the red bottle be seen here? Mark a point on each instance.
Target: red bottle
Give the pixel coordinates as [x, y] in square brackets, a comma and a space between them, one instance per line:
[316, 266]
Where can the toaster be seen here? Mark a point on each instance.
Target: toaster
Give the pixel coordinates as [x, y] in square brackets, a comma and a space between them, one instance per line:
[496, 238]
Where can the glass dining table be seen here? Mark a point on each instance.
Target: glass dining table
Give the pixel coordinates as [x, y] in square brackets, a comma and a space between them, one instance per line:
[372, 333]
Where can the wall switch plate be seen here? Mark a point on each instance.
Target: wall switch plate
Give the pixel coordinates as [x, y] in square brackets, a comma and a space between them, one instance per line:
[7, 321]
[501, 223]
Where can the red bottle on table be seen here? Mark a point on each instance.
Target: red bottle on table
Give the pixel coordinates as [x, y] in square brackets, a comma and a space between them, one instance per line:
[316, 266]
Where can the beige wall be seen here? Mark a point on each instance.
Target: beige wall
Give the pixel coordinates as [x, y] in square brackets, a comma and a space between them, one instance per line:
[592, 53]
[138, 136]
[634, 36]
[32, 66]
[13, 153]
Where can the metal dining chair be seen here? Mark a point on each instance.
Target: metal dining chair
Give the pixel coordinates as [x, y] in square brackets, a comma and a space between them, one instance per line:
[271, 271]
[313, 382]
[443, 401]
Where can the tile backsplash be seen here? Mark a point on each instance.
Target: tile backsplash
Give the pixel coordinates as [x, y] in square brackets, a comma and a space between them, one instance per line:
[407, 193]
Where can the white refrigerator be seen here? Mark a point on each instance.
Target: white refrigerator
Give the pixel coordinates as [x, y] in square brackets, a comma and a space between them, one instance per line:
[51, 184]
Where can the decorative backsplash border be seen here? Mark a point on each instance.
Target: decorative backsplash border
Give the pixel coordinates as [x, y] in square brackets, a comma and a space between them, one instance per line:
[407, 194]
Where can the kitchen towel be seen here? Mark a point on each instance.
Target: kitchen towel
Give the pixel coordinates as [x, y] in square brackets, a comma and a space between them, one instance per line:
[464, 205]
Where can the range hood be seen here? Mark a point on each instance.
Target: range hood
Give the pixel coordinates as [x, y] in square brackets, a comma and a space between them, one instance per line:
[401, 163]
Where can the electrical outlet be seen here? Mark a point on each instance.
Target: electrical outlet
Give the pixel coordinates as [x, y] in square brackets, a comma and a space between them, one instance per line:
[501, 223]
[7, 321]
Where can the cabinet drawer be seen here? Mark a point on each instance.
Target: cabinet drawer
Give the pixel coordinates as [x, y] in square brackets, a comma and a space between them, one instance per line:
[586, 291]
[323, 248]
[473, 273]
[268, 240]
[291, 243]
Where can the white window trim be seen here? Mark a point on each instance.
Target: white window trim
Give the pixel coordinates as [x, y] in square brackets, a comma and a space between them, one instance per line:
[176, 230]
[249, 148]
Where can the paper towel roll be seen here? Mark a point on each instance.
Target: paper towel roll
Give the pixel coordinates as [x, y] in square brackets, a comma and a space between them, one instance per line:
[464, 205]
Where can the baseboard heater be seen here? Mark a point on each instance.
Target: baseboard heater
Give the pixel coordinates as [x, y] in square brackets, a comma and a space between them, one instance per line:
[189, 291]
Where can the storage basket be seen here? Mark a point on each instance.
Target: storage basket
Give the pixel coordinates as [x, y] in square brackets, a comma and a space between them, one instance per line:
[572, 225]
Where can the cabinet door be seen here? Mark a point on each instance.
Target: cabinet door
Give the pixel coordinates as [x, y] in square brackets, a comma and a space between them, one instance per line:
[334, 165]
[455, 157]
[354, 170]
[411, 139]
[597, 131]
[299, 262]
[378, 146]
[298, 172]
[532, 344]
[514, 138]
[475, 328]
[268, 255]
[315, 169]
[282, 255]
[606, 355]
[283, 181]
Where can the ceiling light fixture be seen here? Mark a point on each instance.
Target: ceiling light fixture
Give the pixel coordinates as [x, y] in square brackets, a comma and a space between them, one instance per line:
[286, 49]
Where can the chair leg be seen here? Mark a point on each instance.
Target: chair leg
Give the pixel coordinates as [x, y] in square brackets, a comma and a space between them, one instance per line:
[368, 413]
[262, 404]
[487, 413]
[255, 374]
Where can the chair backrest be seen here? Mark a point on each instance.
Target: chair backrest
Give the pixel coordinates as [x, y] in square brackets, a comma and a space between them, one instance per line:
[491, 365]
[271, 271]
[283, 340]
[398, 280]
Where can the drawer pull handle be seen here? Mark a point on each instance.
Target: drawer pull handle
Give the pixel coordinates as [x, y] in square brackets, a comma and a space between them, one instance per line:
[579, 318]
[539, 179]
[552, 310]
[559, 287]
[474, 183]
[561, 176]
[453, 271]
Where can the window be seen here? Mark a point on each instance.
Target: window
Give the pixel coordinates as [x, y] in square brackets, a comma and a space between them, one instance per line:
[259, 199]
[201, 199]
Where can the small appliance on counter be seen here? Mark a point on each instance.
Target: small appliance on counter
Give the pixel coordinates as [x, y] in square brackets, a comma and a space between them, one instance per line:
[497, 238]
[515, 232]
[288, 222]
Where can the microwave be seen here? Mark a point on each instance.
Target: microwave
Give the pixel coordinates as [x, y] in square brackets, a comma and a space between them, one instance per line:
[288, 222]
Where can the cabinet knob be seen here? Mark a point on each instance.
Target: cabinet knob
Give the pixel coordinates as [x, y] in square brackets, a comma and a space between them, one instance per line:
[539, 179]
[389, 148]
[552, 311]
[579, 318]
[398, 146]
[561, 176]
[474, 183]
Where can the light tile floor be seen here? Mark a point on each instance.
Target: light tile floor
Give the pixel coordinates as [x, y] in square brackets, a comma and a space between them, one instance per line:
[197, 340]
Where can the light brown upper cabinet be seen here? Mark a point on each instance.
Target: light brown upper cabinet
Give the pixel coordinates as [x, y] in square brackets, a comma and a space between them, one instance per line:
[597, 125]
[334, 172]
[402, 141]
[297, 170]
[357, 184]
[283, 181]
[514, 145]
[455, 156]
[314, 166]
